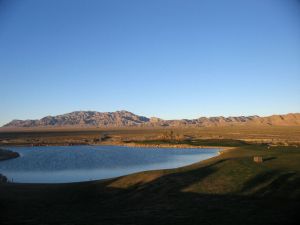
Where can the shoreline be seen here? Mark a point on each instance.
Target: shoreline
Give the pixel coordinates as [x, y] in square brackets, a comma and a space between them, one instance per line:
[133, 145]
[6, 154]
[218, 152]
[186, 146]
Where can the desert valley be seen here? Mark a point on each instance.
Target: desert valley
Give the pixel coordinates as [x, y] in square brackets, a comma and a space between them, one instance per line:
[158, 112]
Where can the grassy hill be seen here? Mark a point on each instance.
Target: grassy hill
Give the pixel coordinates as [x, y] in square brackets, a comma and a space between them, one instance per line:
[228, 189]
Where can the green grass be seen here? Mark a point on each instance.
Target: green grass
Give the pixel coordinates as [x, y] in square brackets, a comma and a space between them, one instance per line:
[227, 189]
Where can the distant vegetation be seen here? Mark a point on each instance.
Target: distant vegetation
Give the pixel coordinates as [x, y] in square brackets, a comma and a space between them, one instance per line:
[198, 142]
[170, 137]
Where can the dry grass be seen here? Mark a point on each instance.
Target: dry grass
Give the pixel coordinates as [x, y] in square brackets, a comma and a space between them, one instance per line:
[283, 135]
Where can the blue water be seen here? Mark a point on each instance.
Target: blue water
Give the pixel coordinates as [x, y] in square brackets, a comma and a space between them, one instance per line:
[61, 164]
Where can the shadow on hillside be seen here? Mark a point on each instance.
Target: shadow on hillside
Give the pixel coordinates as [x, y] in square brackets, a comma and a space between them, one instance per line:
[160, 201]
[276, 184]
[269, 158]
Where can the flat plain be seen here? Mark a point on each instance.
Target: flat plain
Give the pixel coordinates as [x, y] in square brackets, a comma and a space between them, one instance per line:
[277, 135]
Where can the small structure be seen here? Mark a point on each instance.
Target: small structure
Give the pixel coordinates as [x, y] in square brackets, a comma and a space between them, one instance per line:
[102, 137]
[258, 159]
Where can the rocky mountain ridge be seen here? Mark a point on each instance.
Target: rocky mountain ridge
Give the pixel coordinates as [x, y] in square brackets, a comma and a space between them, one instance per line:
[127, 119]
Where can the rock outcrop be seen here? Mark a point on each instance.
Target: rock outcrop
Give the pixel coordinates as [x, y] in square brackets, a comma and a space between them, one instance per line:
[7, 154]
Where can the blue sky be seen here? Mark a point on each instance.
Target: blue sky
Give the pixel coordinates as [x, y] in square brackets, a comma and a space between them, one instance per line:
[165, 58]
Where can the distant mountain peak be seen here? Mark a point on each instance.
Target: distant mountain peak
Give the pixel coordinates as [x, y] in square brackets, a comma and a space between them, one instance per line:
[125, 118]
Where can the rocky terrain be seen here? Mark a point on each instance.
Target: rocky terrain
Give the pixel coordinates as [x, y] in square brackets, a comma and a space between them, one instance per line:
[128, 119]
[84, 119]
[7, 154]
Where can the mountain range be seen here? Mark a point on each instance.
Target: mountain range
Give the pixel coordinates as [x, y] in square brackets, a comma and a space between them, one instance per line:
[127, 119]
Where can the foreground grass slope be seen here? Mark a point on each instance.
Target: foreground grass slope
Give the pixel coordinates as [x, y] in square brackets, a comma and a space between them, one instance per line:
[227, 189]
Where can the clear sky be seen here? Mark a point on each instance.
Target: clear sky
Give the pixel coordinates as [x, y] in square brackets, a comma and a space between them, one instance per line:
[164, 58]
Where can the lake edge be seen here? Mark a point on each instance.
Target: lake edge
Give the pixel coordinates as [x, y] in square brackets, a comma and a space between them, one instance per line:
[64, 175]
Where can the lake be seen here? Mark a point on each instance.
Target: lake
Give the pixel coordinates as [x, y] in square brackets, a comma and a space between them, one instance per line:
[62, 164]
